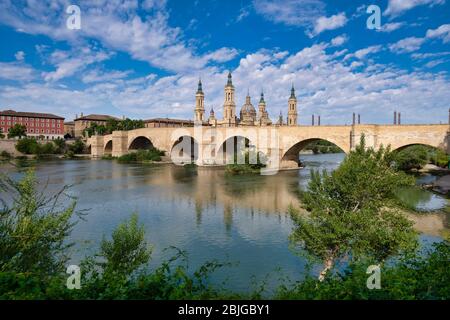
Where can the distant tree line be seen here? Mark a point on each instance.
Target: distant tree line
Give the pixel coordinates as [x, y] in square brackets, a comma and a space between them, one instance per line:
[113, 125]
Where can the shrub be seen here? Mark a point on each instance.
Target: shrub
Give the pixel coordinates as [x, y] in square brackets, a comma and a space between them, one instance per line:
[27, 146]
[142, 155]
[5, 155]
[414, 157]
[33, 228]
[77, 147]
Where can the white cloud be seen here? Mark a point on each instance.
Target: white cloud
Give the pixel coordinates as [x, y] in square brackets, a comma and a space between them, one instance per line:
[398, 7]
[429, 55]
[99, 76]
[339, 40]
[69, 63]
[116, 24]
[363, 53]
[442, 32]
[407, 45]
[329, 23]
[16, 71]
[290, 12]
[324, 82]
[20, 55]
[434, 63]
[392, 26]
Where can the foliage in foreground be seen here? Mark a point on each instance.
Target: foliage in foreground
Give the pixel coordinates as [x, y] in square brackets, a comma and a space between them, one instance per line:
[33, 228]
[418, 277]
[33, 257]
[353, 211]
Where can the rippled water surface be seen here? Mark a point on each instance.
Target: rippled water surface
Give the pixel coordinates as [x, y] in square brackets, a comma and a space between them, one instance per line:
[239, 219]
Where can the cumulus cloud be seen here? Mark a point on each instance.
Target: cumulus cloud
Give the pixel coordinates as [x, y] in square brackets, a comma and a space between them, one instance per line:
[339, 40]
[69, 63]
[329, 23]
[20, 55]
[443, 32]
[392, 26]
[398, 7]
[116, 24]
[290, 12]
[407, 45]
[16, 71]
[325, 82]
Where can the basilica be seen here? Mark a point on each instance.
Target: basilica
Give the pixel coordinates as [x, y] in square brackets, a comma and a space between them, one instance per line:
[248, 116]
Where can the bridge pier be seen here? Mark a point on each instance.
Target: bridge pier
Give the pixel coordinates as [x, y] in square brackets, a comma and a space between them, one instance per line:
[97, 146]
[119, 143]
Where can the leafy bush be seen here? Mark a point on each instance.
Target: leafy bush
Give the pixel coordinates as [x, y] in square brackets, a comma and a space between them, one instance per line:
[247, 167]
[27, 146]
[77, 147]
[5, 155]
[414, 157]
[33, 228]
[142, 156]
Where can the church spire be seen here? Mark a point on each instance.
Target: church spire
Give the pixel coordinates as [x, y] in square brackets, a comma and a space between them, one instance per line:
[293, 92]
[229, 82]
[199, 90]
[262, 97]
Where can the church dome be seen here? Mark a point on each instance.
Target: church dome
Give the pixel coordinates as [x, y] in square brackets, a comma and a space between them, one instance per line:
[247, 109]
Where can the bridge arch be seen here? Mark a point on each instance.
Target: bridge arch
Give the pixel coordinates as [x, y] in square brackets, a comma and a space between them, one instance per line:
[184, 150]
[233, 147]
[290, 158]
[404, 146]
[108, 148]
[140, 143]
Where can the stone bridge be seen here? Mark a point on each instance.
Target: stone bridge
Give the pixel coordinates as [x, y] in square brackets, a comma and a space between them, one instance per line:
[208, 145]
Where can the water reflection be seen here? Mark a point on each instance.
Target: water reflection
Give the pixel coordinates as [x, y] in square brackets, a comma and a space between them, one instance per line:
[203, 211]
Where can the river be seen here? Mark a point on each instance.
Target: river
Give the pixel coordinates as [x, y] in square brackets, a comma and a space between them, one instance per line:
[237, 219]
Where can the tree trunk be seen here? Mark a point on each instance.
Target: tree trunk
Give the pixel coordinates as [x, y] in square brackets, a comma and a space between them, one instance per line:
[327, 266]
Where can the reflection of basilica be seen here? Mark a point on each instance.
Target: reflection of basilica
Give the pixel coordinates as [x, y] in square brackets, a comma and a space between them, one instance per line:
[248, 116]
[207, 189]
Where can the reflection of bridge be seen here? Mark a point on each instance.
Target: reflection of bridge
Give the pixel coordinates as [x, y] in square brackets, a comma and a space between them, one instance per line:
[280, 144]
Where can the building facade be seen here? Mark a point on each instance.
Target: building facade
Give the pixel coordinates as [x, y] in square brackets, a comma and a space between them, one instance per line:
[167, 123]
[69, 129]
[248, 115]
[83, 122]
[40, 125]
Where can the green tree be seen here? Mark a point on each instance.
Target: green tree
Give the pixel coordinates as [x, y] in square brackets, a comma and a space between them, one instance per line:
[127, 250]
[18, 130]
[77, 147]
[33, 227]
[353, 211]
[413, 157]
[60, 145]
[28, 146]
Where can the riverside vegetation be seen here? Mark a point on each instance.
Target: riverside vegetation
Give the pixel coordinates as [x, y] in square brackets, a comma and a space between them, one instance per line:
[353, 216]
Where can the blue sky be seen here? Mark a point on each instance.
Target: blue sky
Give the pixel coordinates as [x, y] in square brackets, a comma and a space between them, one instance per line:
[142, 59]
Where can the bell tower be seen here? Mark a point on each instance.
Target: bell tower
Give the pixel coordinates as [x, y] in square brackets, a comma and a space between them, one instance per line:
[292, 109]
[229, 107]
[199, 103]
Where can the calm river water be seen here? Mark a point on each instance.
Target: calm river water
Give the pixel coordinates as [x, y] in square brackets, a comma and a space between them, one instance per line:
[236, 219]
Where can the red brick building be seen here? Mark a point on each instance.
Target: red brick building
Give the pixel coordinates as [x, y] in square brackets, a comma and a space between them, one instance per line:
[44, 125]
